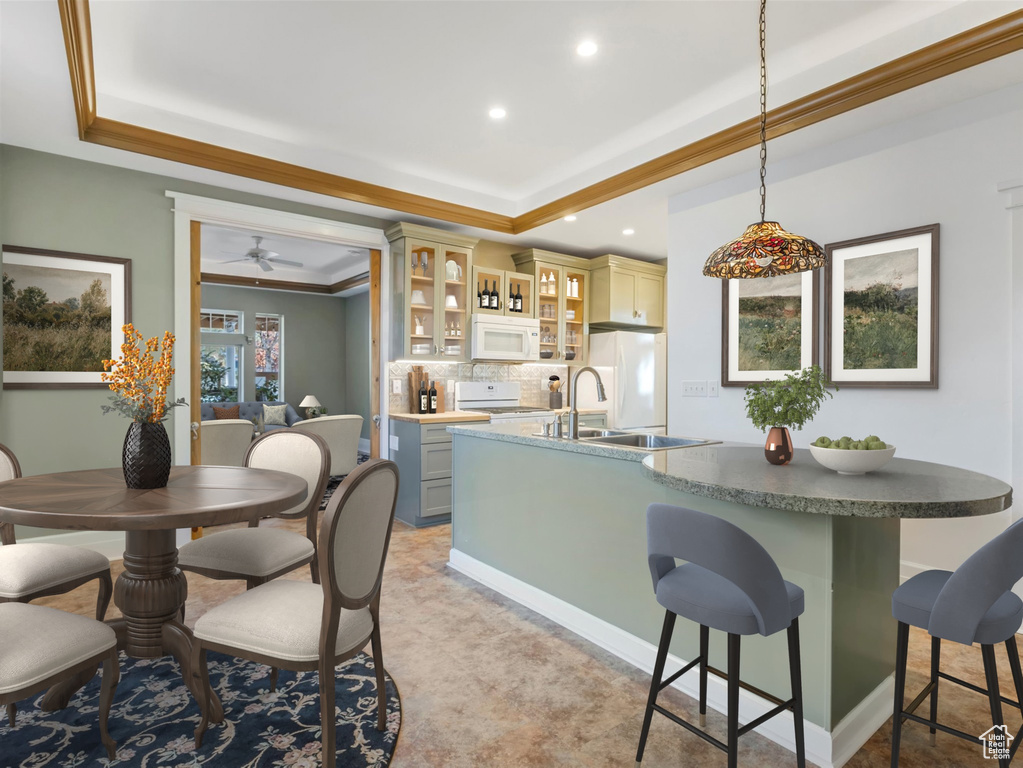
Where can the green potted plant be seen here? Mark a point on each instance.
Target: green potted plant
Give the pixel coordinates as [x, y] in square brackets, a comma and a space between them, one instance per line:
[790, 402]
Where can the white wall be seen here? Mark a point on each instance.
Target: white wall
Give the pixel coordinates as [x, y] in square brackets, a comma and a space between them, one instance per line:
[943, 168]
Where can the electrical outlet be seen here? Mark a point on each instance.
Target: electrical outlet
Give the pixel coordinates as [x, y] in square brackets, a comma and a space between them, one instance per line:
[394, 442]
[395, 386]
[712, 388]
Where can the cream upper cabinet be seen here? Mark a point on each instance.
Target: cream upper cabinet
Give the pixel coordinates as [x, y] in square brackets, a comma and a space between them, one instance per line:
[562, 289]
[431, 274]
[507, 285]
[626, 293]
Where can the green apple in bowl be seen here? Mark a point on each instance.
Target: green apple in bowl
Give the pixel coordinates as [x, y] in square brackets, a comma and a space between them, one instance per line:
[852, 457]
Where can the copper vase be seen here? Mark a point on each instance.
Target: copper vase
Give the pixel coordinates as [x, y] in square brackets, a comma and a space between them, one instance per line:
[778, 448]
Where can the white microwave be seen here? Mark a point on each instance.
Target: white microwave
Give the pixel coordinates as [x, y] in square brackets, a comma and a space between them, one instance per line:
[504, 338]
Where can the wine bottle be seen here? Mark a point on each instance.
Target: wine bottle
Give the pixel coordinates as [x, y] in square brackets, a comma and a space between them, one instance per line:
[495, 297]
[433, 397]
[424, 404]
[518, 297]
[479, 296]
[511, 297]
[486, 295]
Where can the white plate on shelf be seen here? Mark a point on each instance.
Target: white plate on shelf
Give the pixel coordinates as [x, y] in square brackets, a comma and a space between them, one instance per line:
[848, 462]
[422, 349]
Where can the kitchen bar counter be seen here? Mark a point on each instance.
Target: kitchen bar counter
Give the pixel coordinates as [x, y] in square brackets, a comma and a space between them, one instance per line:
[560, 526]
[902, 488]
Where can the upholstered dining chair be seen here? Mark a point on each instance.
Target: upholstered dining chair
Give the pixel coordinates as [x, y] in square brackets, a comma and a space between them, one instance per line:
[257, 555]
[342, 436]
[225, 441]
[316, 626]
[28, 571]
[42, 646]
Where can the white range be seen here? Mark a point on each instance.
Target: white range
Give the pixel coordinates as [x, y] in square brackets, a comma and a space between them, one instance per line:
[500, 399]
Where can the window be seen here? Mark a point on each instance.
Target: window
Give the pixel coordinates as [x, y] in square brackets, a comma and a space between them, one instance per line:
[269, 357]
[220, 321]
[220, 368]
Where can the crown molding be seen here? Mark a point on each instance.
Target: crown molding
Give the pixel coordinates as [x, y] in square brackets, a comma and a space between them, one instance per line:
[975, 46]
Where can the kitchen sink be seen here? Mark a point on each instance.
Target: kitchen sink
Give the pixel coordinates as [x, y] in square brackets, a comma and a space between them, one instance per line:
[586, 433]
[646, 442]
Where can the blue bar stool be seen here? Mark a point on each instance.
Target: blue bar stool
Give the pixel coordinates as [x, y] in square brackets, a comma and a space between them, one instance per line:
[728, 583]
[973, 605]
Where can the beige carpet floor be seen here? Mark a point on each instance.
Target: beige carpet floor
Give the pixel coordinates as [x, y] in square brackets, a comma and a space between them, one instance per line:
[485, 682]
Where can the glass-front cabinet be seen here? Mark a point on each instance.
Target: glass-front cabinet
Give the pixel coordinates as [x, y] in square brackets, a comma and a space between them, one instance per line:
[562, 303]
[501, 292]
[431, 270]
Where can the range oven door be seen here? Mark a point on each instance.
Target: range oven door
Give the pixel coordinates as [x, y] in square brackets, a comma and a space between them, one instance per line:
[506, 339]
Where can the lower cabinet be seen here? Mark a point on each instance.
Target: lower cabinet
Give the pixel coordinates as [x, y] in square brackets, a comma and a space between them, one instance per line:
[424, 461]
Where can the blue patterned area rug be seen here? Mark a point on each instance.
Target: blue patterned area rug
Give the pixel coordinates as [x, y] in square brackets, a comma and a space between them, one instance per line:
[153, 718]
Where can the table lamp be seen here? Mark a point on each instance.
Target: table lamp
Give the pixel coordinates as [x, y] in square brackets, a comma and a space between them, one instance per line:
[311, 404]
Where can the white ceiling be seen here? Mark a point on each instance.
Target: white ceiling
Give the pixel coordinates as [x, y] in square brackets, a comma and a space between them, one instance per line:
[322, 263]
[396, 93]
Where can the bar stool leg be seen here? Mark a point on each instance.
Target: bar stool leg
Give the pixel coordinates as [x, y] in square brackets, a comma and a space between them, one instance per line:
[1017, 672]
[733, 700]
[935, 666]
[655, 682]
[796, 675]
[704, 661]
[901, 652]
[991, 673]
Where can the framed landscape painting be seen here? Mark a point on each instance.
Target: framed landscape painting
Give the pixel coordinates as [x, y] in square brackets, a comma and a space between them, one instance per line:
[62, 315]
[881, 310]
[768, 327]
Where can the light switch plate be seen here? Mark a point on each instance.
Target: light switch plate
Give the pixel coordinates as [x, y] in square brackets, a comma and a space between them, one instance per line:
[712, 388]
[694, 389]
[395, 386]
[394, 442]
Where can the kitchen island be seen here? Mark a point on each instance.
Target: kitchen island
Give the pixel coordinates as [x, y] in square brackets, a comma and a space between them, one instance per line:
[560, 526]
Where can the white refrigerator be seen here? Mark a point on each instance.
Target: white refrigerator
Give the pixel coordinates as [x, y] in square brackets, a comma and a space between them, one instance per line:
[633, 368]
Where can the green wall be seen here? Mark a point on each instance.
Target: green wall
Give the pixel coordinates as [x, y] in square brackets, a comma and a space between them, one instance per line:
[314, 340]
[49, 201]
[357, 363]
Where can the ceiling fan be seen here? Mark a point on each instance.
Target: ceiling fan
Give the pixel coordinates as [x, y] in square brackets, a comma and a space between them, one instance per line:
[264, 258]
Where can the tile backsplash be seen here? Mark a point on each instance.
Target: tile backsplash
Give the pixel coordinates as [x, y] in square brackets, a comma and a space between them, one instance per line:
[533, 379]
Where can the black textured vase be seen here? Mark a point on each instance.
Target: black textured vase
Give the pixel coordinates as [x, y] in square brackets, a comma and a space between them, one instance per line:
[146, 457]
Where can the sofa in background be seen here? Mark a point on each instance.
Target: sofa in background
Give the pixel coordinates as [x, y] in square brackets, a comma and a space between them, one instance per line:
[250, 409]
[225, 441]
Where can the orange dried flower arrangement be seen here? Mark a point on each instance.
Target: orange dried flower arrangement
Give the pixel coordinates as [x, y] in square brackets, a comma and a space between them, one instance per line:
[139, 378]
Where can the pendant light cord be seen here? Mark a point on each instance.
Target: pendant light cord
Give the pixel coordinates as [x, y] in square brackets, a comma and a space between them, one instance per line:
[763, 110]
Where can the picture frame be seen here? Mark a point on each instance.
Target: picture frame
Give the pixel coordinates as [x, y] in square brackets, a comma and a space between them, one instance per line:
[768, 327]
[62, 314]
[881, 310]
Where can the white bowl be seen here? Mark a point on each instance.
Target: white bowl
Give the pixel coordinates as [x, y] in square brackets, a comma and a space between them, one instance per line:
[852, 462]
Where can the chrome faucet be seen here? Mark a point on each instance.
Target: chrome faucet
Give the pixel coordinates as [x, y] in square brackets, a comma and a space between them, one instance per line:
[573, 414]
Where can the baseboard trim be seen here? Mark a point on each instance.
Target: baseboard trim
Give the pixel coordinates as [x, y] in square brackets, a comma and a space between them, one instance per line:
[825, 749]
[908, 569]
[108, 543]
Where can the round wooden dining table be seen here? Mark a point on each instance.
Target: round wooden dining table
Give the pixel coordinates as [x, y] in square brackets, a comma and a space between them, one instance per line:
[151, 590]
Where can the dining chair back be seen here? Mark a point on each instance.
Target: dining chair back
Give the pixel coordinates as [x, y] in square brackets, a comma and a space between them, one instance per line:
[358, 528]
[342, 435]
[10, 469]
[33, 570]
[225, 441]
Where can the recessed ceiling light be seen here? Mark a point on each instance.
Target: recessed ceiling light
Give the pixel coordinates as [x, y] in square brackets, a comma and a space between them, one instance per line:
[628, 231]
[497, 113]
[570, 217]
[586, 48]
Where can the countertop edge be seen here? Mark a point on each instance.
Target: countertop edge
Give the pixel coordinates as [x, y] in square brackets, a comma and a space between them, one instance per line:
[834, 507]
[634, 455]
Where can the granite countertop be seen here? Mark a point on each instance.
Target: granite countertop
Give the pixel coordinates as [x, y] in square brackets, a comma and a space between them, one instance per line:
[452, 416]
[523, 434]
[902, 488]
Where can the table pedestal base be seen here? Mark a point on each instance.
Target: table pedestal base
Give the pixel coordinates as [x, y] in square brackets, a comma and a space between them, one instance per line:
[150, 593]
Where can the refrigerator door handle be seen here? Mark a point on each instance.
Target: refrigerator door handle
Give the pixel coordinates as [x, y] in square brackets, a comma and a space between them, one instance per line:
[623, 380]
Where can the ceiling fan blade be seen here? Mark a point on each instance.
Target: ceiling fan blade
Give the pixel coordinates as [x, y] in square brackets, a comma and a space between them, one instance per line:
[235, 261]
[263, 253]
[286, 263]
[264, 266]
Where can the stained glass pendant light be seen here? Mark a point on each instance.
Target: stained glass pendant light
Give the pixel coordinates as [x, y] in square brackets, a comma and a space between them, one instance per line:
[764, 249]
